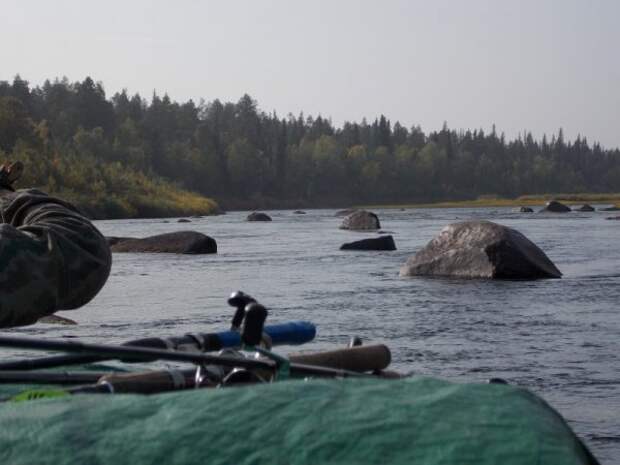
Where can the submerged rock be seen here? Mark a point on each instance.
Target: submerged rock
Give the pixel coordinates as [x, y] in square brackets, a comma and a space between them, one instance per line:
[183, 220]
[555, 207]
[481, 249]
[375, 243]
[609, 209]
[258, 216]
[183, 242]
[585, 208]
[613, 218]
[526, 210]
[361, 220]
[299, 212]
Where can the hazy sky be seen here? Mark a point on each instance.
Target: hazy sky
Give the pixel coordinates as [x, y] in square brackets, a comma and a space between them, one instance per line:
[521, 64]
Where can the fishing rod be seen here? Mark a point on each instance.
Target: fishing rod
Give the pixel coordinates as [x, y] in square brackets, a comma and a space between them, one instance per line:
[251, 336]
[209, 372]
[291, 333]
[53, 377]
[362, 359]
[369, 358]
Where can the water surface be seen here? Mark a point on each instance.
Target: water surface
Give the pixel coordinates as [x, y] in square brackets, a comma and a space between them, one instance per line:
[559, 338]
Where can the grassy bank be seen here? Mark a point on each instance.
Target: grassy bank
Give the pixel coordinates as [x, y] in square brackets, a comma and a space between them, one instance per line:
[110, 190]
[523, 201]
[169, 203]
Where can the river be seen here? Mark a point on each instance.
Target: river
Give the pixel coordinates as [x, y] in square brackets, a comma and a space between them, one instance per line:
[559, 338]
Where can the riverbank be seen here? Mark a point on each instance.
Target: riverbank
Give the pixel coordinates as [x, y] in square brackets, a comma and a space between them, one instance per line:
[165, 202]
[612, 199]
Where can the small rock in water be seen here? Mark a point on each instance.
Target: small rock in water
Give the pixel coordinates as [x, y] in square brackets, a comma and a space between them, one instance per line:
[609, 209]
[585, 208]
[525, 210]
[361, 220]
[184, 242]
[183, 220]
[258, 216]
[375, 243]
[555, 207]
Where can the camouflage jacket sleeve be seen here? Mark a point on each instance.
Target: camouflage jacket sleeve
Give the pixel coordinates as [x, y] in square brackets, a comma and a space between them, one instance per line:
[51, 257]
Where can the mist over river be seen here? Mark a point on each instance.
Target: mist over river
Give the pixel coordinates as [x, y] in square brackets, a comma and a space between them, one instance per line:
[559, 338]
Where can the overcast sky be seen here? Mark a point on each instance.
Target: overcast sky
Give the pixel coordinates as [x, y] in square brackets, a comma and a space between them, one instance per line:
[529, 64]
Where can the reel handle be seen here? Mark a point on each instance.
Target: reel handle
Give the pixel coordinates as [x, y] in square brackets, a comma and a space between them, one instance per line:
[255, 316]
[239, 300]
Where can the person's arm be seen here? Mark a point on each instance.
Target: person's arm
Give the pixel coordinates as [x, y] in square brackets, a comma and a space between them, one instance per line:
[51, 257]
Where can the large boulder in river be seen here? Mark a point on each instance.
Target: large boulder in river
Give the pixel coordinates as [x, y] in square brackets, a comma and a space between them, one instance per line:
[185, 242]
[375, 243]
[361, 220]
[481, 249]
[555, 207]
[258, 216]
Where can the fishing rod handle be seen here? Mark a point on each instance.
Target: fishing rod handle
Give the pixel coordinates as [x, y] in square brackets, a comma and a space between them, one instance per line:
[359, 358]
[150, 382]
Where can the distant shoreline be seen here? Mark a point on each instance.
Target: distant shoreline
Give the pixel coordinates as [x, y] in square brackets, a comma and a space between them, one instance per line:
[204, 206]
[523, 201]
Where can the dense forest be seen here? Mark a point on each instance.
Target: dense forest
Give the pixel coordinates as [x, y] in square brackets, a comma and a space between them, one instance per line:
[126, 156]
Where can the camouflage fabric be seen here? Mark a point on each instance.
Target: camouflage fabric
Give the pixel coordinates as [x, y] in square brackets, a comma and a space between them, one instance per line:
[51, 257]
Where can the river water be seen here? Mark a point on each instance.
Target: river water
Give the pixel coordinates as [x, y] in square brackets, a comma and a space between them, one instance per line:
[559, 338]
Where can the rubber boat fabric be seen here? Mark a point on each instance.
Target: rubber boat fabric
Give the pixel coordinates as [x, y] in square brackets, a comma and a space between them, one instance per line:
[407, 421]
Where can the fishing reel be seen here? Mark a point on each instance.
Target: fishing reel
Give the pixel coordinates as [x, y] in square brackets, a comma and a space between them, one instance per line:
[249, 319]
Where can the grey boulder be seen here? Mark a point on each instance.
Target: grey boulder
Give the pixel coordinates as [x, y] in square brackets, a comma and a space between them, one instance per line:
[481, 249]
[361, 220]
[182, 242]
[258, 216]
[585, 208]
[375, 243]
[555, 207]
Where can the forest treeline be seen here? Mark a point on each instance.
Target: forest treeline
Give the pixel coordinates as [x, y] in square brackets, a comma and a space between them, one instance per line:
[126, 156]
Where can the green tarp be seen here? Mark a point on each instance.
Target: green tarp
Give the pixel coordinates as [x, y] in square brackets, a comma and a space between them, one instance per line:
[410, 421]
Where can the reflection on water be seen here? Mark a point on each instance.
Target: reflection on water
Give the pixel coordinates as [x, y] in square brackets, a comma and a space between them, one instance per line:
[556, 337]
